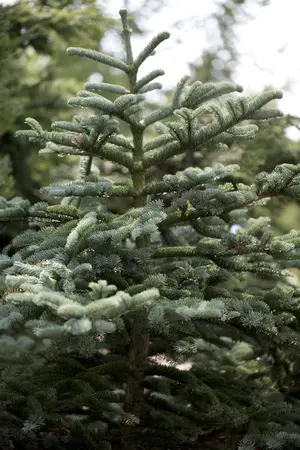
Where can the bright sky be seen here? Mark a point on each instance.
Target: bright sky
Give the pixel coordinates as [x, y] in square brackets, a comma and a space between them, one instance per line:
[269, 44]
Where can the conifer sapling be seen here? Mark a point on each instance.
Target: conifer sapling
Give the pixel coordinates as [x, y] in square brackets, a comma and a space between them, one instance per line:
[150, 328]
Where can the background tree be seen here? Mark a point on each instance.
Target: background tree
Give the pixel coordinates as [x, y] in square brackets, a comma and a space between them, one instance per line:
[34, 36]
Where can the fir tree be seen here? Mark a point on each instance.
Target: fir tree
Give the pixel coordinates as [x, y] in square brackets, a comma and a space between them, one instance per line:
[153, 327]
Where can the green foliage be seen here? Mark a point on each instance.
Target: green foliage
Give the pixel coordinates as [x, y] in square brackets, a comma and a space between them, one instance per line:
[154, 326]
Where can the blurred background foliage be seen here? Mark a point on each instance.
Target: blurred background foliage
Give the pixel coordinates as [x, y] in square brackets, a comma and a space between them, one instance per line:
[37, 79]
